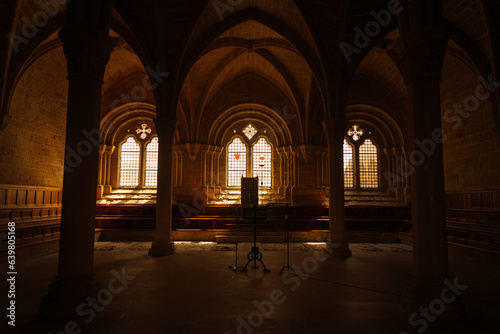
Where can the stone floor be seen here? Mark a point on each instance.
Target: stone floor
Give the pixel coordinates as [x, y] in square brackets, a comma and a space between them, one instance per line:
[195, 292]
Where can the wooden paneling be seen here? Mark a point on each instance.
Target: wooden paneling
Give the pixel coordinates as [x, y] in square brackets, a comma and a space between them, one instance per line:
[35, 210]
[485, 199]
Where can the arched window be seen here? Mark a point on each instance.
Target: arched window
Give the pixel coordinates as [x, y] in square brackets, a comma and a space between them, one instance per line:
[348, 166]
[130, 161]
[368, 165]
[236, 162]
[151, 168]
[262, 162]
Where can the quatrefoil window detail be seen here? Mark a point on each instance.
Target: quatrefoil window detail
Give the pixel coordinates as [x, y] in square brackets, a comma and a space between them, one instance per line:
[355, 132]
[250, 131]
[143, 131]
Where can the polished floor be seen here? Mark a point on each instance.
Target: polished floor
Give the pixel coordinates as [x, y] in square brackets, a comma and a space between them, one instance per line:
[193, 291]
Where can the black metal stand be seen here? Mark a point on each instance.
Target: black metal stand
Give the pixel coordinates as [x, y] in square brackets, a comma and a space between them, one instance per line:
[255, 255]
[235, 267]
[287, 245]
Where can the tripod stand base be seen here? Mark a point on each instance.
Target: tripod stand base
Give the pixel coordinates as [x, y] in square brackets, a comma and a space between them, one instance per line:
[289, 269]
[234, 268]
[255, 255]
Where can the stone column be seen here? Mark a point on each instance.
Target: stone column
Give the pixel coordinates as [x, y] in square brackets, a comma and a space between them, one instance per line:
[108, 157]
[178, 168]
[163, 245]
[87, 54]
[281, 172]
[398, 172]
[390, 171]
[101, 172]
[217, 153]
[421, 56]
[335, 131]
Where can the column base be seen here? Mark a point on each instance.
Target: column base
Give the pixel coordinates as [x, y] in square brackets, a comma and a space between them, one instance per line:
[107, 190]
[434, 301]
[64, 298]
[100, 192]
[338, 250]
[162, 248]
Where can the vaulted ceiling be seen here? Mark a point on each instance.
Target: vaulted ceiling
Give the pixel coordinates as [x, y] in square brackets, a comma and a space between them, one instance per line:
[288, 47]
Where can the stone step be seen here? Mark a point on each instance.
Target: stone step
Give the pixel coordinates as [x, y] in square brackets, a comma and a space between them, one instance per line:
[232, 238]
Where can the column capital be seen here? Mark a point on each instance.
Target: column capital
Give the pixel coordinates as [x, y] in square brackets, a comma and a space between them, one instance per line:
[109, 149]
[87, 52]
[421, 54]
[102, 149]
[215, 148]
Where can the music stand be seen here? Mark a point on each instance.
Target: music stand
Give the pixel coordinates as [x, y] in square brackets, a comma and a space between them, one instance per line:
[255, 255]
[235, 267]
[287, 244]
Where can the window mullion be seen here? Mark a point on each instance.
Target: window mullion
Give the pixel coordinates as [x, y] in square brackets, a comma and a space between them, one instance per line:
[142, 167]
[249, 160]
[357, 179]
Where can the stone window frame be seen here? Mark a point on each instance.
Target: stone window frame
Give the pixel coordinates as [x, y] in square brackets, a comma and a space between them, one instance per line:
[356, 159]
[143, 144]
[249, 144]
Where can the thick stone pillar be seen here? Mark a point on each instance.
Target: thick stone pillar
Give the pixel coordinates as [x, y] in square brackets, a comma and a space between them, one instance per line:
[163, 245]
[335, 131]
[87, 54]
[421, 56]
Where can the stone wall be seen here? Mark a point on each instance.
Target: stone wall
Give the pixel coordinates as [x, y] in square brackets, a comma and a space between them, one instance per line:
[472, 147]
[32, 144]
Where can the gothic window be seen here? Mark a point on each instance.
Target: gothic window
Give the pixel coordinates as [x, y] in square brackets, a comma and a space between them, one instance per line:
[348, 166]
[368, 165]
[262, 162]
[236, 162]
[130, 161]
[249, 155]
[151, 166]
[361, 165]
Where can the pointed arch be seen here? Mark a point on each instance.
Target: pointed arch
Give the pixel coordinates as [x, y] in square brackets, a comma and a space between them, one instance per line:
[197, 49]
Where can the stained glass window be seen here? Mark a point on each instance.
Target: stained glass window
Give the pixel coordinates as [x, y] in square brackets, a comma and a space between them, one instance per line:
[250, 131]
[368, 165]
[348, 166]
[151, 168]
[236, 162]
[262, 162]
[130, 160]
